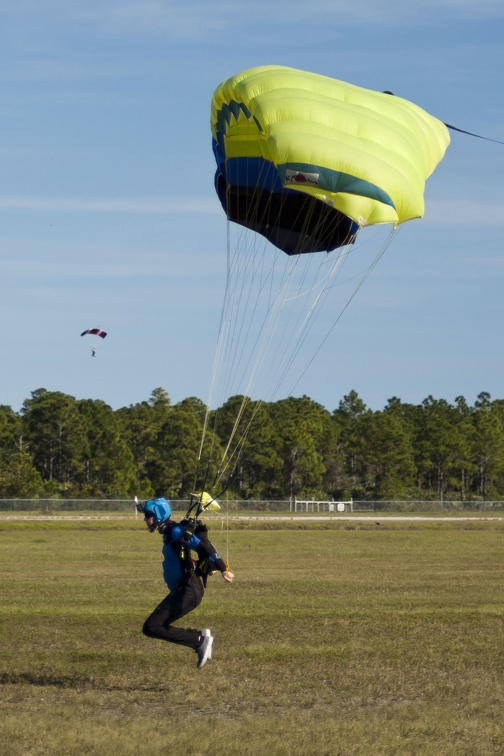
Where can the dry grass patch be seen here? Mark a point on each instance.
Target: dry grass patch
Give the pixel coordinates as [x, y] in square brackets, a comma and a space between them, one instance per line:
[331, 641]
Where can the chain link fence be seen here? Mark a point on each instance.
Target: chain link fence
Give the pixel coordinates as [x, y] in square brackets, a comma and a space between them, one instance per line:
[128, 505]
[246, 506]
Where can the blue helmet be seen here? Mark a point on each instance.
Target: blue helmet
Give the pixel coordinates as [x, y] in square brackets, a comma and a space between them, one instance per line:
[159, 507]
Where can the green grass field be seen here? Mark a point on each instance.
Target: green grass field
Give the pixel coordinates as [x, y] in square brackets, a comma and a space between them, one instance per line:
[336, 638]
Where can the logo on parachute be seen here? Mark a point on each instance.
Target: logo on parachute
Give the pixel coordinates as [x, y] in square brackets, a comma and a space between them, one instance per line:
[301, 177]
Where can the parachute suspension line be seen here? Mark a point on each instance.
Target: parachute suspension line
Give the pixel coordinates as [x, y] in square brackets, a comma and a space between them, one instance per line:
[470, 133]
[227, 529]
[318, 284]
[306, 323]
[236, 266]
[262, 339]
[246, 335]
[243, 328]
[360, 283]
[260, 342]
[239, 276]
[323, 279]
[223, 339]
[321, 289]
[230, 458]
[220, 339]
[238, 337]
[288, 331]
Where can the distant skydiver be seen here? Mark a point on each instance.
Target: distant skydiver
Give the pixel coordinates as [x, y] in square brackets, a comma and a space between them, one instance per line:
[185, 578]
[95, 332]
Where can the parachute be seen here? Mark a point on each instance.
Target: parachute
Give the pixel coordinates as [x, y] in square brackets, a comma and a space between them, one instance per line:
[307, 160]
[95, 332]
[206, 501]
[304, 163]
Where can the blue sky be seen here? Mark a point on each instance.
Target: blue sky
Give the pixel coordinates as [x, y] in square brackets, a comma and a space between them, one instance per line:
[108, 215]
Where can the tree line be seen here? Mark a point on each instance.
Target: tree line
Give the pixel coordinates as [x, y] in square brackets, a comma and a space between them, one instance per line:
[59, 446]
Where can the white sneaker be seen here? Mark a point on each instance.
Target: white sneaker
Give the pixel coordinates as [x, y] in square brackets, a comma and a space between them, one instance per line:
[205, 648]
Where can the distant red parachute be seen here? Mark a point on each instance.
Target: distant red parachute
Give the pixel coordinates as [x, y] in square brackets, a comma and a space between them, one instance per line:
[96, 332]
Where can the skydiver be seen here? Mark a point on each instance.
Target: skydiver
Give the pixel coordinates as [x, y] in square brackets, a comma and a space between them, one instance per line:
[185, 579]
[93, 351]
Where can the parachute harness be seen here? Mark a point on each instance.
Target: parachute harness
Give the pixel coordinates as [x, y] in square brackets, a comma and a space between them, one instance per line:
[192, 526]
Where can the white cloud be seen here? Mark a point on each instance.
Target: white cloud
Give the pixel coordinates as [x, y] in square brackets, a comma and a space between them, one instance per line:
[199, 19]
[438, 212]
[465, 213]
[135, 205]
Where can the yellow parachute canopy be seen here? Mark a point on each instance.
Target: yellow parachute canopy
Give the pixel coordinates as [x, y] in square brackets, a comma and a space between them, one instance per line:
[207, 501]
[355, 156]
